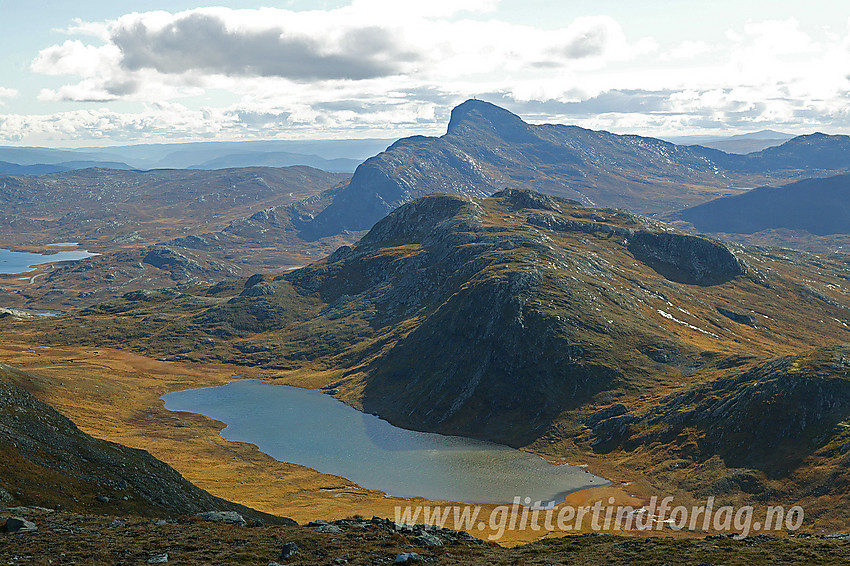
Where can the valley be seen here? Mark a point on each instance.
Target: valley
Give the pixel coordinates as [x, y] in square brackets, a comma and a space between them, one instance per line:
[158, 228]
[543, 287]
[115, 395]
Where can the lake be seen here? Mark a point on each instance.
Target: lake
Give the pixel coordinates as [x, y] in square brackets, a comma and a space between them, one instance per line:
[21, 262]
[313, 429]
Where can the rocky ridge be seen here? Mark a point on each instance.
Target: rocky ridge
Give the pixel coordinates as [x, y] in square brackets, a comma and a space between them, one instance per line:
[97, 539]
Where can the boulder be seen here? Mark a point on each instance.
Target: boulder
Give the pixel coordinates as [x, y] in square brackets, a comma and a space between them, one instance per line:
[427, 539]
[289, 550]
[328, 529]
[227, 517]
[19, 525]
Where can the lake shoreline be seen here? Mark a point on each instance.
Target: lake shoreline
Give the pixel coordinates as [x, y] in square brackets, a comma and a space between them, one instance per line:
[25, 262]
[295, 425]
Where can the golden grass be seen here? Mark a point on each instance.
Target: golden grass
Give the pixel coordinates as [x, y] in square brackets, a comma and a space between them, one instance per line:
[115, 395]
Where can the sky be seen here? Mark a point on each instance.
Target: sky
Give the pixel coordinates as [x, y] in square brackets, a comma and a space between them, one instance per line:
[120, 72]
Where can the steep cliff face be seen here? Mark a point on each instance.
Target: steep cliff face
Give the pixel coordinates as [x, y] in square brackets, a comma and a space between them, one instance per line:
[492, 364]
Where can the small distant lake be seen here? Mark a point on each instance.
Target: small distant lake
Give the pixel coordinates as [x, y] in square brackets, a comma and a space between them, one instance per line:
[311, 428]
[21, 262]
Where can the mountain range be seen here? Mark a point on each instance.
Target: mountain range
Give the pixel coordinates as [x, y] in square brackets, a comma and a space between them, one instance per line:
[13, 169]
[740, 143]
[187, 226]
[486, 148]
[537, 322]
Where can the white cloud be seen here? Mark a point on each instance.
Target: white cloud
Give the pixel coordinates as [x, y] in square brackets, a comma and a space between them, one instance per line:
[779, 37]
[599, 36]
[385, 68]
[75, 58]
[299, 116]
[273, 43]
[7, 93]
[369, 40]
[429, 9]
[156, 121]
[687, 50]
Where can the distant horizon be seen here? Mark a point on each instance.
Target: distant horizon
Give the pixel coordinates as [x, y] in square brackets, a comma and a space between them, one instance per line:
[191, 142]
[106, 144]
[90, 144]
[126, 73]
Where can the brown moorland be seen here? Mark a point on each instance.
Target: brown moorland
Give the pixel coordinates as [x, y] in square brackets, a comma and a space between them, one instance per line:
[643, 347]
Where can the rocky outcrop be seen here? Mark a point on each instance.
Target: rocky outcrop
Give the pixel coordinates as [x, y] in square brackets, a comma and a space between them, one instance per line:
[225, 517]
[738, 317]
[679, 257]
[551, 222]
[767, 417]
[684, 258]
[170, 260]
[519, 199]
[18, 525]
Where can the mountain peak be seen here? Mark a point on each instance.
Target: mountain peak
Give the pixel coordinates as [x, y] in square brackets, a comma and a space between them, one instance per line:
[478, 114]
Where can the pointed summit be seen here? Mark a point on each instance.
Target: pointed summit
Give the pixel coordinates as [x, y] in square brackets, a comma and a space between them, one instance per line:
[480, 116]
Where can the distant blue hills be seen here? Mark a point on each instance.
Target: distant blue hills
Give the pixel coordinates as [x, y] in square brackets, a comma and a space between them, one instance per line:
[15, 169]
[337, 156]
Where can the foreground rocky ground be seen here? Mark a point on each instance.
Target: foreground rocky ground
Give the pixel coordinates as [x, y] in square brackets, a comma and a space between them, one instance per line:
[69, 538]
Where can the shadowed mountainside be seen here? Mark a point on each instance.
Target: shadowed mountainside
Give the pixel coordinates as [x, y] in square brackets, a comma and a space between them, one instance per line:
[48, 461]
[812, 214]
